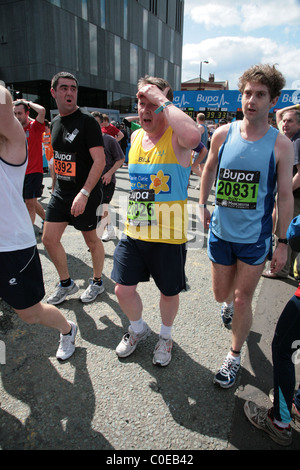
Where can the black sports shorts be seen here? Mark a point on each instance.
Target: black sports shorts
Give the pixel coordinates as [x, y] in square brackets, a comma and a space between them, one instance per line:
[21, 278]
[135, 260]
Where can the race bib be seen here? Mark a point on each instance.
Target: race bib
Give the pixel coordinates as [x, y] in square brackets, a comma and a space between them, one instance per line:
[237, 189]
[65, 166]
[141, 207]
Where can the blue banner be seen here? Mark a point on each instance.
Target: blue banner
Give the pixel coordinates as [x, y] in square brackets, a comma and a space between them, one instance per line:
[225, 100]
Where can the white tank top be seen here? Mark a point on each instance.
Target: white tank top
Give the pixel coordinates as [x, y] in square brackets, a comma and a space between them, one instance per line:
[16, 230]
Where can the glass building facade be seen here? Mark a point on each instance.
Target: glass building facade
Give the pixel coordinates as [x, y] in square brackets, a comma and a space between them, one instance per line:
[107, 44]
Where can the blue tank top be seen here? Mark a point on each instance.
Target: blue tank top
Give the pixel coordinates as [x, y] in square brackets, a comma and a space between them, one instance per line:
[245, 187]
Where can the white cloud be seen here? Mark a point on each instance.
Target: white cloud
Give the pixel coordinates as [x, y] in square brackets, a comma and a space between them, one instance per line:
[270, 14]
[229, 38]
[229, 56]
[248, 17]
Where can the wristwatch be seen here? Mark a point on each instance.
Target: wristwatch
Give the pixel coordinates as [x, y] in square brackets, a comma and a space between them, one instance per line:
[85, 192]
[283, 240]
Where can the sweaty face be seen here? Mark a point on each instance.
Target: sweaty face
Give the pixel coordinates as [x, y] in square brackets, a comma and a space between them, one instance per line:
[65, 95]
[148, 119]
[256, 101]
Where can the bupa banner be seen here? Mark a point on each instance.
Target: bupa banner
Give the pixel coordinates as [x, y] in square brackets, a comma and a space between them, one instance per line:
[225, 100]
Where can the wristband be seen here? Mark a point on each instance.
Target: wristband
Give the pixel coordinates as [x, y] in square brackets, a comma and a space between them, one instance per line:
[283, 240]
[202, 206]
[85, 192]
[163, 106]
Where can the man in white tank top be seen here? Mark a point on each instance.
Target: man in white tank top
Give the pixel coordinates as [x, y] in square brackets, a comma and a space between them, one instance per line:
[21, 279]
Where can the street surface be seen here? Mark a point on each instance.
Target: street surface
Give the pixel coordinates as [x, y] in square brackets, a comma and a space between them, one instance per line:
[95, 401]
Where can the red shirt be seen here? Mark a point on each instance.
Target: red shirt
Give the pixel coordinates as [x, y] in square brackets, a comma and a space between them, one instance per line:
[110, 130]
[34, 133]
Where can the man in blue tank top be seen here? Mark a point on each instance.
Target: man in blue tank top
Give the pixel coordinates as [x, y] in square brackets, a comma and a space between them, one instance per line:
[253, 157]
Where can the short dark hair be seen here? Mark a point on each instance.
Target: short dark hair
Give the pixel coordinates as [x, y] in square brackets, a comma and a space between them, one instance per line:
[161, 83]
[25, 106]
[59, 75]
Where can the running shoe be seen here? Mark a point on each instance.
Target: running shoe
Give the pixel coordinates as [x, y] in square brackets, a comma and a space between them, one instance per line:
[226, 376]
[162, 352]
[227, 314]
[67, 344]
[92, 291]
[130, 341]
[109, 234]
[61, 293]
[261, 418]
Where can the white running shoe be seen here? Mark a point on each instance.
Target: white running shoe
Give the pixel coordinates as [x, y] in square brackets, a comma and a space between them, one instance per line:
[130, 341]
[67, 344]
[61, 293]
[92, 292]
[162, 352]
[109, 234]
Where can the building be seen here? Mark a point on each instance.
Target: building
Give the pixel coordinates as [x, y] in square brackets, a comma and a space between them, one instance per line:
[107, 44]
[209, 85]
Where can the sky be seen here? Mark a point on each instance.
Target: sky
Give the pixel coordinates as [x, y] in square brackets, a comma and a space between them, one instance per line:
[233, 35]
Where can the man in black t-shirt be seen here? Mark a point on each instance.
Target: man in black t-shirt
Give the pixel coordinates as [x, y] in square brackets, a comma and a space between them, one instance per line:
[78, 163]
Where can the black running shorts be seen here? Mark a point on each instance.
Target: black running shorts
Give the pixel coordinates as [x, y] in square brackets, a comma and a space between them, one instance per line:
[21, 278]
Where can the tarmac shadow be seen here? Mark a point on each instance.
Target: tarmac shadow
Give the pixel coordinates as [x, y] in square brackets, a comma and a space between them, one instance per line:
[59, 411]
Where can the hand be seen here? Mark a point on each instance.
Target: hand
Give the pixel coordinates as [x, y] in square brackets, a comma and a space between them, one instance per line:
[204, 217]
[154, 94]
[279, 258]
[106, 178]
[79, 205]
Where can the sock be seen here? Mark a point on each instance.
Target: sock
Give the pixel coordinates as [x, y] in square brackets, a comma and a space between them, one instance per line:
[230, 304]
[236, 359]
[66, 282]
[165, 331]
[280, 424]
[137, 326]
[97, 280]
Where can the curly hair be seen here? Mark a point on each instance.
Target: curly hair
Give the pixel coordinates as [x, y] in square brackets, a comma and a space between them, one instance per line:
[267, 75]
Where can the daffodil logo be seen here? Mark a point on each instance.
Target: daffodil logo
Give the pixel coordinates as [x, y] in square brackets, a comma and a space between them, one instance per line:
[159, 182]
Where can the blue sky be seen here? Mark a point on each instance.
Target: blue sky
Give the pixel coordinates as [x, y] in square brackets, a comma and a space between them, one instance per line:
[233, 35]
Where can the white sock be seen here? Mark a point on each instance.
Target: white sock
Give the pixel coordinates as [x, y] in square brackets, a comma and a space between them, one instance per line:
[137, 326]
[237, 359]
[228, 305]
[165, 331]
[280, 424]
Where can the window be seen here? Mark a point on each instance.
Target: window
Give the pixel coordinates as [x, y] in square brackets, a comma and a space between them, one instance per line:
[125, 19]
[93, 49]
[84, 9]
[117, 58]
[151, 64]
[133, 64]
[102, 9]
[56, 3]
[145, 29]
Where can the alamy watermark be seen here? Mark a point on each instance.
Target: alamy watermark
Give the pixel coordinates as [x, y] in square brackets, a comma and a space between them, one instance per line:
[187, 221]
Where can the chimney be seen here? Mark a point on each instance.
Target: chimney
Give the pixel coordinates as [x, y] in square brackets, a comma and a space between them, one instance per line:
[211, 77]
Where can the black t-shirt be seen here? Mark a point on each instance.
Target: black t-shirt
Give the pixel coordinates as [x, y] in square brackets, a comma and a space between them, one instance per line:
[72, 137]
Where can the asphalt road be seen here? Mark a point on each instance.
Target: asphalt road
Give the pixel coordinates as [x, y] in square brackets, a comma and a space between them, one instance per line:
[95, 401]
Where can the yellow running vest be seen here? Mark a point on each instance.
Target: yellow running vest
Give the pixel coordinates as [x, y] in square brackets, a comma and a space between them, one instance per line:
[157, 208]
